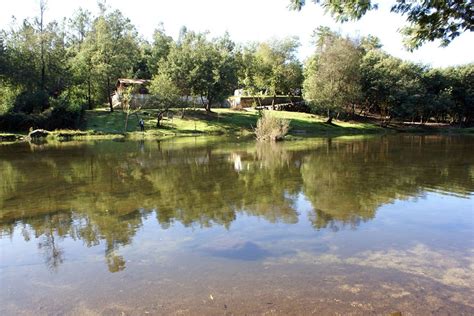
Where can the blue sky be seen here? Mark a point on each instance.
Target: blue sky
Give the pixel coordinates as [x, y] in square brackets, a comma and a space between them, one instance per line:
[254, 20]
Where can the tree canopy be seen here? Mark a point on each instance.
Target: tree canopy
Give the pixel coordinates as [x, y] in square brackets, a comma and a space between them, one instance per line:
[427, 20]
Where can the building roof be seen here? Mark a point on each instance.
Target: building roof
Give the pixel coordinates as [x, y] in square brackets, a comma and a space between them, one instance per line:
[133, 81]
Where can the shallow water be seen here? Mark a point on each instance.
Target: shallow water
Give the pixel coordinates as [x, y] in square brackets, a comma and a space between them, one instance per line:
[207, 226]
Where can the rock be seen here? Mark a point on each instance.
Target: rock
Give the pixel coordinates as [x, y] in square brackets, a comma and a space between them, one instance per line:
[38, 133]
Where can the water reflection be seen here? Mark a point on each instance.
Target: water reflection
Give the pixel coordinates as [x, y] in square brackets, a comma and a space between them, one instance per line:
[101, 193]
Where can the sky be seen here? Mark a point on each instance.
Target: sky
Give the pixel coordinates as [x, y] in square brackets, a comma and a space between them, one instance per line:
[254, 20]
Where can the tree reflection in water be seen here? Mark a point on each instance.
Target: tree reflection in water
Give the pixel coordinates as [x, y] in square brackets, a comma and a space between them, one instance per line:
[102, 192]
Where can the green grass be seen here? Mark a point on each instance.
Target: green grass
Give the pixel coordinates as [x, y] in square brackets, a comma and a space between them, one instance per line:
[102, 124]
[219, 122]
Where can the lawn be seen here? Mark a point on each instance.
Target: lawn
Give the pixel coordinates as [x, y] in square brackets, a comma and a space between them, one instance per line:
[220, 121]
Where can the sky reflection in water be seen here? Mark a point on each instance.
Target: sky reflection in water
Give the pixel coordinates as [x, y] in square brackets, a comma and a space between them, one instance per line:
[402, 203]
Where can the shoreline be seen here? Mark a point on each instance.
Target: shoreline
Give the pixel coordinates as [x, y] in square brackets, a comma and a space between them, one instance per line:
[103, 125]
[79, 135]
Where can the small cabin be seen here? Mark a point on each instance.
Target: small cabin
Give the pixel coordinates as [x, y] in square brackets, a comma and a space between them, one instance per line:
[140, 85]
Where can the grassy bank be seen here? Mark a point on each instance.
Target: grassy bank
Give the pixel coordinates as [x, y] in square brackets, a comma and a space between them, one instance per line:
[219, 122]
[102, 124]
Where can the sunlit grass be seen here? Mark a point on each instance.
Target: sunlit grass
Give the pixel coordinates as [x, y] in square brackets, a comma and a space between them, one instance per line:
[220, 121]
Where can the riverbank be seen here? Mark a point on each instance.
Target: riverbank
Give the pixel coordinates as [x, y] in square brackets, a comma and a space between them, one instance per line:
[102, 124]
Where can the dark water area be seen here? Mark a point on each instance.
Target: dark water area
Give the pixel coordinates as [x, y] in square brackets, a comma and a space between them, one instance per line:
[201, 226]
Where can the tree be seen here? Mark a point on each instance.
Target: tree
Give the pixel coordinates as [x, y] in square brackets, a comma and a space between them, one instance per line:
[332, 79]
[114, 49]
[278, 71]
[270, 68]
[428, 20]
[164, 94]
[200, 67]
[178, 64]
[395, 88]
[40, 25]
[80, 25]
[159, 49]
[36, 63]
[461, 80]
[129, 104]
[82, 46]
[219, 77]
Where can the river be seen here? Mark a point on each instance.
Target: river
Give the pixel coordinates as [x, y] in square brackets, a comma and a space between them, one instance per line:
[204, 226]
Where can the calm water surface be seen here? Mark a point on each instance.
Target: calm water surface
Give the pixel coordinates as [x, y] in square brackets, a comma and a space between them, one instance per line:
[201, 226]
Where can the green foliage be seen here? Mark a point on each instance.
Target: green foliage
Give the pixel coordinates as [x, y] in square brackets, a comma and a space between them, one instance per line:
[427, 20]
[158, 50]
[8, 95]
[271, 68]
[332, 76]
[431, 20]
[165, 93]
[60, 115]
[114, 51]
[392, 86]
[200, 67]
[129, 104]
[345, 74]
[31, 101]
[80, 59]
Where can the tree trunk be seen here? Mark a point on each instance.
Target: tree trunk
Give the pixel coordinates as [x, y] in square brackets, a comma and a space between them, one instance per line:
[208, 105]
[329, 120]
[109, 96]
[160, 117]
[43, 63]
[126, 122]
[89, 92]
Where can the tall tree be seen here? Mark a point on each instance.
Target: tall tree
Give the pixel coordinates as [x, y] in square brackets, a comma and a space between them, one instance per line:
[200, 67]
[115, 49]
[217, 71]
[40, 25]
[273, 69]
[332, 79]
[81, 49]
[159, 49]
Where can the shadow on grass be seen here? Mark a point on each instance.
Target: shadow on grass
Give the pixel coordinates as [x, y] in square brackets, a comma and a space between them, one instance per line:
[237, 120]
[219, 122]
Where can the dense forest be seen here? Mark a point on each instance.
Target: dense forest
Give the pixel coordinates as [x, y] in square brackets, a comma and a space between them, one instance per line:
[50, 73]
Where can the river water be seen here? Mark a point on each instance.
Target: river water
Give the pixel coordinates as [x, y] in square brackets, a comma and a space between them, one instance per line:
[204, 226]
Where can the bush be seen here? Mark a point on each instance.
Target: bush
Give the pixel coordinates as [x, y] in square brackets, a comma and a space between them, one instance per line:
[271, 128]
[61, 115]
[8, 94]
[64, 114]
[31, 102]
[16, 122]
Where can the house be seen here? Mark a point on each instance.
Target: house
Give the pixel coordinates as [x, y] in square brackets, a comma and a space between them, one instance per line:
[140, 91]
[140, 85]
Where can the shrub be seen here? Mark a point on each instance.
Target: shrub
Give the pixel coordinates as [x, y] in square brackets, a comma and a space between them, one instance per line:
[271, 128]
[61, 115]
[8, 95]
[31, 102]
